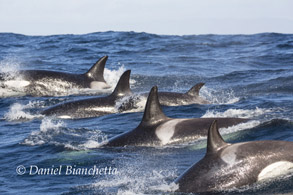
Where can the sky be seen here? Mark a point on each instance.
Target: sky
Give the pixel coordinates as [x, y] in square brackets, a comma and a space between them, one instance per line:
[170, 17]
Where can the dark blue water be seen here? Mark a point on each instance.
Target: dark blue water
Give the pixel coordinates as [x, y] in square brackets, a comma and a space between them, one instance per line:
[246, 76]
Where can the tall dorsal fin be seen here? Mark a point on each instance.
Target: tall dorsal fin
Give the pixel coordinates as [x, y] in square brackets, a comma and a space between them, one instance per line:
[122, 88]
[194, 91]
[153, 112]
[97, 70]
[215, 140]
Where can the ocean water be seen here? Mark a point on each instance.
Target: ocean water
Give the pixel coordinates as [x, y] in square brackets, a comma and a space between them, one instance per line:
[248, 76]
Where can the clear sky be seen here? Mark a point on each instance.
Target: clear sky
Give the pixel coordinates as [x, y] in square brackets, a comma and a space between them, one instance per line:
[46, 17]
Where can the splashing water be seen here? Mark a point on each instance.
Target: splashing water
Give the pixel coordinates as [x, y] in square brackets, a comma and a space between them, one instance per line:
[131, 179]
[256, 72]
[10, 81]
[218, 97]
[18, 111]
[48, 129]
[56, 133]
[133, 103]
[8, 67]
[112, 76]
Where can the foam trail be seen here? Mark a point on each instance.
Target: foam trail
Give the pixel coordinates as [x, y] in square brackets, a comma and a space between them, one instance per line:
[238, 113]
[240, 127]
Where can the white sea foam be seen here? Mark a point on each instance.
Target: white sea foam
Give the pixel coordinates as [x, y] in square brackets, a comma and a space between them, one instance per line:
[55, 132]
[95, 139]
[9, 66]
[5, 92]
[240, 127]
[8, 71]
[49, 124]
[132, 180]
[238, 113]
[112, 76]
[48, 129]
[216, 97]
[19, 112]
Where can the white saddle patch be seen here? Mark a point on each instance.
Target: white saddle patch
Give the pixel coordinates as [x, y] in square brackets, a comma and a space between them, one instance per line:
[229, 154]
[166, 131]
[99, 85]
[274, 170]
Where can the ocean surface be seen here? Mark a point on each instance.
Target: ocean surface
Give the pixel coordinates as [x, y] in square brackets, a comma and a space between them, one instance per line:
[248, 76]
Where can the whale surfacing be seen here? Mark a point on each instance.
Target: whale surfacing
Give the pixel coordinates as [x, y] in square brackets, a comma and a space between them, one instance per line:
[45, 82]
[228, 166]
[92, 107]
[158, 129]
[178, 99]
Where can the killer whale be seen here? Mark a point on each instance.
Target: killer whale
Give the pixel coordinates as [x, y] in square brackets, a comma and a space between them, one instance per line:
[158, 129]
[227, 166]
[92, 107]
[32, 80]
[179, 99]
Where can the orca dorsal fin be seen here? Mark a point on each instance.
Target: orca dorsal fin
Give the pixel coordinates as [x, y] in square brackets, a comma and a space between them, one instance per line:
[215, 140]
[122, 88]
[194, 91]
[153, 112]
[96, 72]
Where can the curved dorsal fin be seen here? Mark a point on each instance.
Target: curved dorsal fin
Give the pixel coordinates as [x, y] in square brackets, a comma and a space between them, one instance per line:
[122, 88]
[96, 72]
[215, 140]
[194, 91]
[153, 112]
